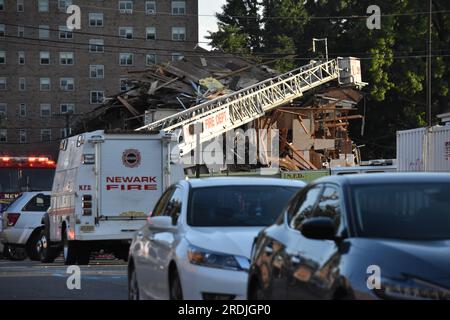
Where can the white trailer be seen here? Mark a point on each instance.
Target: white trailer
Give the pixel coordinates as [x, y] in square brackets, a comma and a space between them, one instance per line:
[424, 149]
[105, 186]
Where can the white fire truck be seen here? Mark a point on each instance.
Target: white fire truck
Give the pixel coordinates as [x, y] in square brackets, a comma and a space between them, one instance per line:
[106, 183]
[104, 188]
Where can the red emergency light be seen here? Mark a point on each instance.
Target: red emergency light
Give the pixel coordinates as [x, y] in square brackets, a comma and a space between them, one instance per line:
[27, 162]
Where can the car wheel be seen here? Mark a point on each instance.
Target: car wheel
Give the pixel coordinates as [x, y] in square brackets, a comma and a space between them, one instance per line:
[176, 293]
[69, 250]
[16, 253]
[133, 288]
[47, 253]
[34, 246]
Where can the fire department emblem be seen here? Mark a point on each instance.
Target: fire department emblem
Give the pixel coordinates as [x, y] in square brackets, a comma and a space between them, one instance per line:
[131, 158]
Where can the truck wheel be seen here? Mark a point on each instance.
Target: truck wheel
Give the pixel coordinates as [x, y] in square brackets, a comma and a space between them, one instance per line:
[16, 253]
[33, 246]
[70, 251]
[47, 253]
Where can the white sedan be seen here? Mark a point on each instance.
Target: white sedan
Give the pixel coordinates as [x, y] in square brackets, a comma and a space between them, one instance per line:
[197, 242]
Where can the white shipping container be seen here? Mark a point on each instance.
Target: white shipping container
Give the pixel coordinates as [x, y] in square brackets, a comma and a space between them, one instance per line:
[424, 149]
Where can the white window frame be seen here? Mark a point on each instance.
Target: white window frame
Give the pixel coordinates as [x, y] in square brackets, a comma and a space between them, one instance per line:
[126, 33]
[178, 8]
[44, 31]
[23, 135]
[45, 53]
[3, 135]
[44, 108]
[20, 55]
[125, 6]
[64, 33]
[2, 57]
[95, 68]
[96, 17]
[70, 108]
[20, 6]
[149, 11]
[66, 57]
[178, 36]
[44, 82]
[147, 56]
[64, 134]
[22, 84]
[147, 29]
[129, 54]
[69, 86]
[97, 44]
[3, 83]
[63, 4]
[2, 30]
[176, 56]
[2, 5]
[96, 92]
[4, 112]
[43, 6]
[126, 86]
[20, 31]
[47, 132]
[22, 110]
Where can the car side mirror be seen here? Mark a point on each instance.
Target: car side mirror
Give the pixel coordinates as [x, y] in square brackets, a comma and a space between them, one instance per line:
[319, 228]
[161, 222]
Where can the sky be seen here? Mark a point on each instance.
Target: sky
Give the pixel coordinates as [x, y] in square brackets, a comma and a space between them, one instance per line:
[209, 22]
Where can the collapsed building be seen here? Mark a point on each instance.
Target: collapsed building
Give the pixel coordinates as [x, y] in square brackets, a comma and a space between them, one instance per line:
[313, 130]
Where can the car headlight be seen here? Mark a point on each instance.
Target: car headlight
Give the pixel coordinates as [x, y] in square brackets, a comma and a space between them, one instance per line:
[411, 288]
[211, 259]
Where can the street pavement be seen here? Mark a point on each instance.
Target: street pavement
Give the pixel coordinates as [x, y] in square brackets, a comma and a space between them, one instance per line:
[101, 280]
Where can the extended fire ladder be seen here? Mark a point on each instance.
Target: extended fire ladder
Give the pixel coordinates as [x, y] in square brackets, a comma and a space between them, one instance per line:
[231, 111]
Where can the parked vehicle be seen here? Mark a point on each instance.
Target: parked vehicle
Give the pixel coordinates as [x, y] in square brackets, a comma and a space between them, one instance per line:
[197, 242]
[22, 225]
[105, 185]
[382, 236]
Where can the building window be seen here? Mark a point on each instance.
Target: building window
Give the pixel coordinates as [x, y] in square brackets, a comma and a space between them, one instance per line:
[22, 110]
[126, 6]
[2, 5]
[177, 56]
[124, 86]
[23, 135]
[151, 33]
[2, 30]
[67, 84]
[67, 108]
[178, 7]
[63, 4]
[2, 83]
[66, 58]
[65, 33]
[43, 5]
[96, 71]
[150, 59]
[97, 97]
[44, 57]
[20, 6]
[3, 110]
[21, 57]
[126, 59]
[46, 110]
[45, 84]
[46, 135]
[126, 32]
[178, 33]
[96, 19]
[2, 57]
[150, 7]
[20, 31]
[3, 135]
[96, 45]
[44, 32]
[22, 84]
[65, 132]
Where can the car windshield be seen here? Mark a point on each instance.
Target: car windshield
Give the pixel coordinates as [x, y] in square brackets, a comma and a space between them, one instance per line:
[26, 179]
[237, 206]
[413, 211]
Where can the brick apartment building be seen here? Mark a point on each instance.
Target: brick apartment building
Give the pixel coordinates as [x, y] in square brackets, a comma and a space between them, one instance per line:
[47, 71]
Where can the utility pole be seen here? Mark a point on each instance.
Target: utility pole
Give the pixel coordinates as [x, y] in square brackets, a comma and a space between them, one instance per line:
[429, 97]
